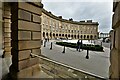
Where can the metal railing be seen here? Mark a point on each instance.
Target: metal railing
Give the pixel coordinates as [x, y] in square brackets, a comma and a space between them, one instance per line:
[60, 70]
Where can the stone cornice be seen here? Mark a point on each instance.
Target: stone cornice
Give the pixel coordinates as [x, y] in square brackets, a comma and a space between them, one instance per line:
[67, 21]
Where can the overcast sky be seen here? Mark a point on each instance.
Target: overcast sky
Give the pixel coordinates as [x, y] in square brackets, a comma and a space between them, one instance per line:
[98, 10]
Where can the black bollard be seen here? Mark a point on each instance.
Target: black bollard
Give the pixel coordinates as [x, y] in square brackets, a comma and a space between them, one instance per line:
[87, 56]
[51, 46]
[63, 50]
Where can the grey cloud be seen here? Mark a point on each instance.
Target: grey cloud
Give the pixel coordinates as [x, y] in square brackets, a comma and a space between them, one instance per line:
[97, 11]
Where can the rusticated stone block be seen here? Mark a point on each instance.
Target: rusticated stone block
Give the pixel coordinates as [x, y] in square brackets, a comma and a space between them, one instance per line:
[28, 44]
[27, 63]
[7, 34]
[0, 4]
[7, 44]
[7, 49]
[36, 51]
[117, 38]
[34, 61]
[36, 70]
[30, 8]
[25, 73]
[116, 17]
[114, 68]
[7, 54]
[7, 20]
[36, 18]
[24, 25]
[7, 29]
[7, 24]
[24, 35]
[36, 35]
[7, 14]
[7, 39]
[24, 15]
[24, 54]
[38, 3]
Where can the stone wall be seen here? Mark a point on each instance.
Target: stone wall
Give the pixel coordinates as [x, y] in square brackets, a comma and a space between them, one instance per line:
[26, 39]
[7, 29]
[115, 52]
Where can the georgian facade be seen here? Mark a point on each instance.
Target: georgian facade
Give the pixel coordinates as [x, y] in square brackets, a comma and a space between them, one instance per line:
[55, 27]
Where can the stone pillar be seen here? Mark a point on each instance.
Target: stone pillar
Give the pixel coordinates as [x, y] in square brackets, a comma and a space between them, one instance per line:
[7, 30]
[115, 52]
[26, 39]
[1, 25]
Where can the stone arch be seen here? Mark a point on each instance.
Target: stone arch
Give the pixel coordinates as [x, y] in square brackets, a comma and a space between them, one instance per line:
[87, 36]
[75, 36]
[84, 36]
[57, 35]
[53, 34]
[78, 36]
[47, 34]
[69, 35]
[66, 35]
[81, 36]
[72, 36]
[62, 35]
[91, 37]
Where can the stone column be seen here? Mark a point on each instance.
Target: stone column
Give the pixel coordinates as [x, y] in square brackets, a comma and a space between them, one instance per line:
[7, 30]
[26, 39]
[1, 25]
[115, 52]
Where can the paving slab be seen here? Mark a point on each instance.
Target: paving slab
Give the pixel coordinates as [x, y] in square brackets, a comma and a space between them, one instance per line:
[98, 63]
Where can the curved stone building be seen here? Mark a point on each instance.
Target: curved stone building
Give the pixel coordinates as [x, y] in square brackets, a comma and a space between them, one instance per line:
[54, 27]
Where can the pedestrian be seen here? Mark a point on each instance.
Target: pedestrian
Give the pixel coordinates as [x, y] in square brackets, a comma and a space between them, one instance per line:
[45, 39]
[44, 43]
[81, 45]
[48, 39]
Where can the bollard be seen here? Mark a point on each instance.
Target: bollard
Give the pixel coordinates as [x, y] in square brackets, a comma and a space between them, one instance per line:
[63, 50]
[87, 56]
[51, 46]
